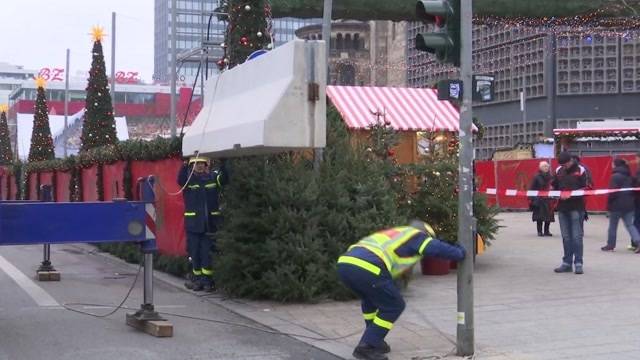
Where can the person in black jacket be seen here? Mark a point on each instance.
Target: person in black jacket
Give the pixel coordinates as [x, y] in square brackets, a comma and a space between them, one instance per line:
[570, 176]
[621, 205]
[542, 207]
[202, 217]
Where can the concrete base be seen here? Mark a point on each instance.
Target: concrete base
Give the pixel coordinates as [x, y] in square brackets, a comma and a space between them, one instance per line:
[157, 328]
[48, 275]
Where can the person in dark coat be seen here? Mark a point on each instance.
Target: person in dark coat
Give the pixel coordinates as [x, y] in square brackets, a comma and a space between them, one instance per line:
[202, 217]
[571, 209]
[621, 205]
[542, 207]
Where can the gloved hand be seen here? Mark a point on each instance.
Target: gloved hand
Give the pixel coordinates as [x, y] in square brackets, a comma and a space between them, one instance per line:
[443, 249]
[462, 250]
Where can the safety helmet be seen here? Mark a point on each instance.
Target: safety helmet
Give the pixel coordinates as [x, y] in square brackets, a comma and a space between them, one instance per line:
[198, 159]
[423, 226]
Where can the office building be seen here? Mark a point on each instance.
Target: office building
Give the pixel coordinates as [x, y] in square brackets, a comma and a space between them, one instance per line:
[566, 77]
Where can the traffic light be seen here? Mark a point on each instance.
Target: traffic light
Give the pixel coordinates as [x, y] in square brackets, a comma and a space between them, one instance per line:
[445, 41]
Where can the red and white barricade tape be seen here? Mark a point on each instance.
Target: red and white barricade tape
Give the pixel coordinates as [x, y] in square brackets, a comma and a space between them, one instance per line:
[556, 193]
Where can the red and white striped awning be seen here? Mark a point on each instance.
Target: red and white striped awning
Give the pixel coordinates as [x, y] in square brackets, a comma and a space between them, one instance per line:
[405, 108]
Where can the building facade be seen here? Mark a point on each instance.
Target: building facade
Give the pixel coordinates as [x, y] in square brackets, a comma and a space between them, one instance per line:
[11, 78]
[364, 53]
[191, 30]
[564, 77]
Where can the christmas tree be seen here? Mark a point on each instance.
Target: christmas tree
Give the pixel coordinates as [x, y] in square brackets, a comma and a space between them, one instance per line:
[248, 30]
[286, 224]
[6, 155]
[41, 142]
[99, 126]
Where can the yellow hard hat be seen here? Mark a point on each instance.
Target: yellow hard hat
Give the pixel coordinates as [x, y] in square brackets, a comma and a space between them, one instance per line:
[197, 159]
[423, 226]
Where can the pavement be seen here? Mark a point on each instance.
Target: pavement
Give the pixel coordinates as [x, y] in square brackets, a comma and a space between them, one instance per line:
[523, 310]
[34, 324]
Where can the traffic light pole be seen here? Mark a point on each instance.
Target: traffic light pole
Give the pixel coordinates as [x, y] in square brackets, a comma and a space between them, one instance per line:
[465, 330]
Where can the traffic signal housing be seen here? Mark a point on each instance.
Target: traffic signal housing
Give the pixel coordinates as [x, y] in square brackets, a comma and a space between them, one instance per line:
[444, 42]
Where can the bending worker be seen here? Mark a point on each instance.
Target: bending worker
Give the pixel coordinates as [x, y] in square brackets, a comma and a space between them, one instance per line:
[202, 217]
[369, 268]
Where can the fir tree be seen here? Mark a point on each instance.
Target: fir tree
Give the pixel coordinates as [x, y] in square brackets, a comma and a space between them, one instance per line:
[99, 126]
[247, 30]
[287, 224]
[6, 154]
[41, 142]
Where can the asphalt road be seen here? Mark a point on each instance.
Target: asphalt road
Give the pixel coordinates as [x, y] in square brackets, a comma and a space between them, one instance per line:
[35, 325]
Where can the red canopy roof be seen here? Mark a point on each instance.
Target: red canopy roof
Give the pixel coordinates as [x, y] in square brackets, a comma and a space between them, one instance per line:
[405, 108]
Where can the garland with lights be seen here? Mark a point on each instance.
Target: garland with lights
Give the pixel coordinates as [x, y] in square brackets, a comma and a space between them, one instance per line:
[402, 10]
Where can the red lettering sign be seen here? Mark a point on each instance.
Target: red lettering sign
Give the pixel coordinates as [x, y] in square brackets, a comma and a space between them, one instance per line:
[57, 74]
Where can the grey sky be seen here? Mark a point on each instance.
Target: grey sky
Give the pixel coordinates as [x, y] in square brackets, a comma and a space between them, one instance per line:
[36, 33]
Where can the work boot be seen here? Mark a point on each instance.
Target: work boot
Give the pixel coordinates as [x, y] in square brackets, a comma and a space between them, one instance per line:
[563, 268]
[209, 286]
[579, 269]
[384, 347]
[368, 352]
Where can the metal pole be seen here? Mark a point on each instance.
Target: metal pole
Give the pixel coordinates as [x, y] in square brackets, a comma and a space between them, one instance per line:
[465, 318]
[523, 109]
[203, 54]
[173, 69]
[113, 62]
[326, 36]
[148, 279]
[66, 105]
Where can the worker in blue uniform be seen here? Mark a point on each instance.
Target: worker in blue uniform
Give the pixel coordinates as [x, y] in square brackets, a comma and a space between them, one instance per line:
[369, 268]
[202, 217]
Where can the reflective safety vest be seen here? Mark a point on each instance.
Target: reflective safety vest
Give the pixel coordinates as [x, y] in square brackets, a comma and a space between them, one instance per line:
[385, 243]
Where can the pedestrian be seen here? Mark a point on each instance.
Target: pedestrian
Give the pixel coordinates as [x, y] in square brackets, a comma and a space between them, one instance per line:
[369, 268]
[542, 207]
[621, 205]
[571, 209]
[202, 217]
[589, 177]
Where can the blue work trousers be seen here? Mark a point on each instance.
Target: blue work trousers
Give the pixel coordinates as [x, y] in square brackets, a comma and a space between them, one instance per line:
[382, 302]
[199, 248]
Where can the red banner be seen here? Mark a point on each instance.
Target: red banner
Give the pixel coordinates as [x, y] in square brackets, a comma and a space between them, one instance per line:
[518, 174]
[600, 168]
[170, 234]
[46, 178]
[4, 184]
[63, 179]
[32, 192]
[515, 174]
[485, 177]
[89, 183]
[112, 178]
[13, 192]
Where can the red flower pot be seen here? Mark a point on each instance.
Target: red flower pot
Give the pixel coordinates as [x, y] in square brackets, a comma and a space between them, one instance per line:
[434, 266]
